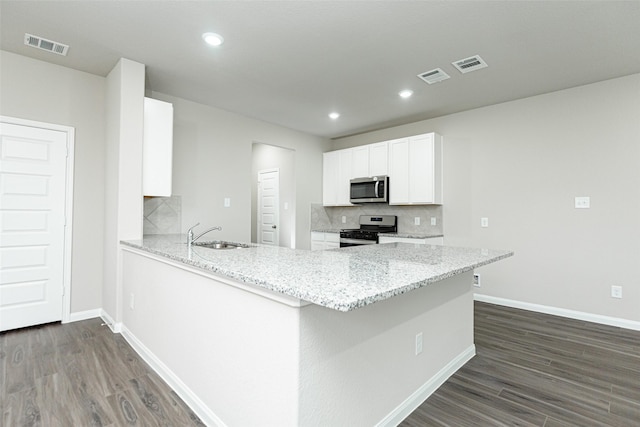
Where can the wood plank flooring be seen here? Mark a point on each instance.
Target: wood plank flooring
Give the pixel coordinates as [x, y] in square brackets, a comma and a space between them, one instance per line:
[81, 374]
[533, 369]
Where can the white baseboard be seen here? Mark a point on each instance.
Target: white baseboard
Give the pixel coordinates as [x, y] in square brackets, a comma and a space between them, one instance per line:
[189, 397]
[427, 389]
[571, 314]
[84, 315]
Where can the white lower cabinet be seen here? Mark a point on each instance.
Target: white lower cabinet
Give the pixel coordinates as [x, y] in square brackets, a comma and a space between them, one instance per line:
[321, 241]
[420, 241]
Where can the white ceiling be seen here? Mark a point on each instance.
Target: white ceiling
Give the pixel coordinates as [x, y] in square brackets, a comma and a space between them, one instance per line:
[293, 62]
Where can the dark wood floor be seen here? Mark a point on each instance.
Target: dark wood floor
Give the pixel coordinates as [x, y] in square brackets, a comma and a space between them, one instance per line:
[81, 374]
[531, 370]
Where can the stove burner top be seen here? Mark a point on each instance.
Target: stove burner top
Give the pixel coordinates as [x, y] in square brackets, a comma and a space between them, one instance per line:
[370, 227]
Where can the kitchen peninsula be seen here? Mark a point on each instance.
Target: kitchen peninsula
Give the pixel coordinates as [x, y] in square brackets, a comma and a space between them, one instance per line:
[273, 336]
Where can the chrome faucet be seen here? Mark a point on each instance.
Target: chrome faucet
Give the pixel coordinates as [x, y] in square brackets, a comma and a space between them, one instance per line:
[191, 239]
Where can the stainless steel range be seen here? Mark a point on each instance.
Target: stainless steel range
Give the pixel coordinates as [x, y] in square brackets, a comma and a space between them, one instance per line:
[370, 227]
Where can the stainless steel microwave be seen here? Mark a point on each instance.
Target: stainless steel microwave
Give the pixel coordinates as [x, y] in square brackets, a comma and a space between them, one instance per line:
[370, 190]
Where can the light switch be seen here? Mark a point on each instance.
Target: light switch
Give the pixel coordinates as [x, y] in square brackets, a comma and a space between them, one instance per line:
[227, 202]
[484, 222]
[583, 202]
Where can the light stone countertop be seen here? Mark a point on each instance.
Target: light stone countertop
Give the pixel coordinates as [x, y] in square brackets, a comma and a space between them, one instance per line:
[412, 235]
[341, 279]
[395, 234]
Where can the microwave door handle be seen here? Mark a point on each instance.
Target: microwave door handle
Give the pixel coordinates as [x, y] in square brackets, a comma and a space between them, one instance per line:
[376, 189]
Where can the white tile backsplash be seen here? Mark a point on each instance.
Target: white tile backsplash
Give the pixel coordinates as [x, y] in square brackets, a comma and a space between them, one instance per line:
[162, 215]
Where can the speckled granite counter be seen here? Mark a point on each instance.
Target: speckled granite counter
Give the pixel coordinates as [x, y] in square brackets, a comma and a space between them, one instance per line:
[341, 279]
[411, 235]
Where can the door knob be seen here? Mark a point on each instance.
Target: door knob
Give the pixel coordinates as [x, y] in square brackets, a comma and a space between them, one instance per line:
[273, 226]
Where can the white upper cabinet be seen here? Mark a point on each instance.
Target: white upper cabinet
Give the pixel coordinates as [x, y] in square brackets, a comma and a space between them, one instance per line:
[360, 161]
[157, 148]
[330, 178]
[378, 159]
[415, 170]
[370, 160]
[336, 176]
[413, 164]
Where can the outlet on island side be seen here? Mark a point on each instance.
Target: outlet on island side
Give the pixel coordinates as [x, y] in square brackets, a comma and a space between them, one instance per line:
[132, 301]
[476, 280]
[418, 343]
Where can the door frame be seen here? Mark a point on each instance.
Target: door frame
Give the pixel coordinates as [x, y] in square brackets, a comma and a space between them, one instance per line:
[259, 204]
[68, 209]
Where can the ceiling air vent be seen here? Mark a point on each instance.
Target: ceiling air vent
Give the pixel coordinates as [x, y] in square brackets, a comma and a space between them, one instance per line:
[434, 76]
[44, 44]
[472, 63]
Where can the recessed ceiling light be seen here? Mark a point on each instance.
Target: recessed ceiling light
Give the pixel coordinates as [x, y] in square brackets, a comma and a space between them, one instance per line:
[405, 93]
[212, 39]
[334, 115]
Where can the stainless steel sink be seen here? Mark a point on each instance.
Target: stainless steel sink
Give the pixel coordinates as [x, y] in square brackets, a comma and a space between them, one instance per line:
[221, 245]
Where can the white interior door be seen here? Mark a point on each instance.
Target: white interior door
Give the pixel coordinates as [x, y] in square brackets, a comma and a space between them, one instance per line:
[33, 164]
[269, 207]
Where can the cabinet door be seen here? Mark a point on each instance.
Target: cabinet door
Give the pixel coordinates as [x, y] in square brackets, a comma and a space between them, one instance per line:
[360, 162]
[157, 148]
[378, 159]
[399, 171]
[330, 167]
[345, 158]
[421, 175]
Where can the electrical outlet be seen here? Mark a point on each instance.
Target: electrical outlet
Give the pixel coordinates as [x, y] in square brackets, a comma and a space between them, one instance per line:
[132, 301]
[484, 222]
[582, 202]
[416, 220]
[433, 221]
[418, 343]
[616, 291]
[476, 280]
[344, 219]
[227, 202]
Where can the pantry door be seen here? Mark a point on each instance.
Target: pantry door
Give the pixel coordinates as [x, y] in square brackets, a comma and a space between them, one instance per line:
[35, 189]
[269, 207]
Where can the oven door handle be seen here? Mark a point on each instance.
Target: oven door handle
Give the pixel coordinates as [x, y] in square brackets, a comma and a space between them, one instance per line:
[357, 241]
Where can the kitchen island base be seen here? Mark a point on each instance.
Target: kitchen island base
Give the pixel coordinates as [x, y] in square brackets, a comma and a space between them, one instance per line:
[241, 356]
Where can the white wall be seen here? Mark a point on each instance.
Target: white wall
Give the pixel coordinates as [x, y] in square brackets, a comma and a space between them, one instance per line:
[212, 160]
[521, 164]
[123, 165]
[36, 90]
